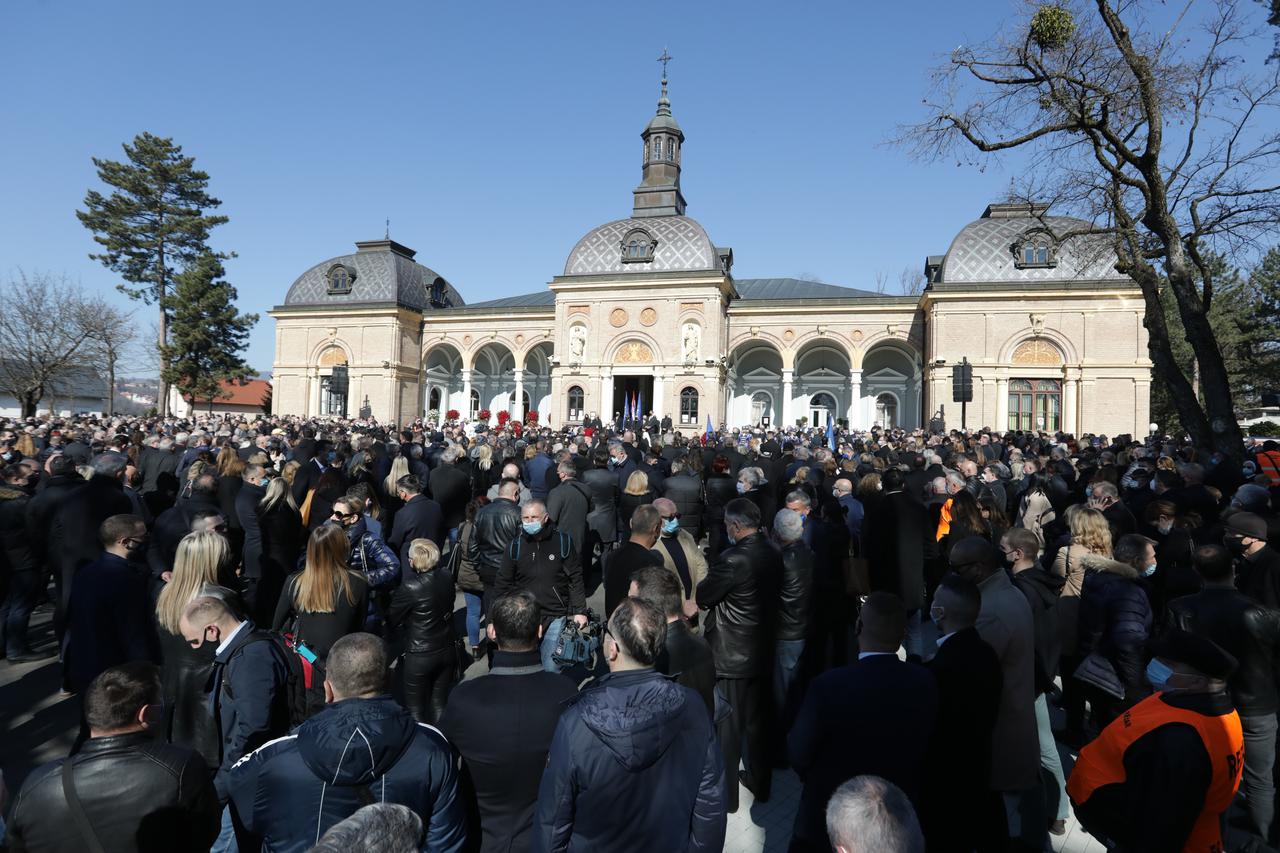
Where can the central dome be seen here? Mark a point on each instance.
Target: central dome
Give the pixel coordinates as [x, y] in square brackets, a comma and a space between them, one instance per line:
[680, 244]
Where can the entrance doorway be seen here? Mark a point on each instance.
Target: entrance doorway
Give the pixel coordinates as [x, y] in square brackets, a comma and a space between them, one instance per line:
[630, 390]
[820, 406]
[887, 411]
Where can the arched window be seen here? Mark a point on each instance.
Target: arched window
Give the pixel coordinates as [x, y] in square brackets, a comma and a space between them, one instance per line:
[1035, 405]
[657, 148]
[671, 149]
[887, 411]
[524, 403]
[439, 294]
[633, 249]
[433, 399]
[1036, 248]
[339, 279]
[577, 401]
[474, 404]
[689, 406]
[638, 246]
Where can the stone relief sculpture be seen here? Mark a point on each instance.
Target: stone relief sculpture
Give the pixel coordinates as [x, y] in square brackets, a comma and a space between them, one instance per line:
[692, 342]
[577, 342]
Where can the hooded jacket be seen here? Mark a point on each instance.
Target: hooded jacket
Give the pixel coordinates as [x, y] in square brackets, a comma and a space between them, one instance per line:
[1042, 590]
[1116, 620]
[634, 766]
[353, 753]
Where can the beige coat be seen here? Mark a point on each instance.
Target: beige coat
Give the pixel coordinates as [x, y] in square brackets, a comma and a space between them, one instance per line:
[692, 553]
[1037, 512]
[1069, 564]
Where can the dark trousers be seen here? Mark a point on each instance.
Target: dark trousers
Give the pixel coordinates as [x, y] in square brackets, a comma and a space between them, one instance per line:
[744, 735]
[428, 678]
[15, 612]
[1073, 694]
[1258, 782]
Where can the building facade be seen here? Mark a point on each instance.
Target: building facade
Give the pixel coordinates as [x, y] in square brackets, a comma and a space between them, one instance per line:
[647, 310]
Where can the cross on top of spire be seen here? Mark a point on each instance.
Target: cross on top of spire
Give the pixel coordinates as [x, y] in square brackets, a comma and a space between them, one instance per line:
[664, 59]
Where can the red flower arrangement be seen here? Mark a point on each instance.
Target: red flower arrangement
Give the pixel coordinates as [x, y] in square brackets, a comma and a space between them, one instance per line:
[531, 417]
[483, 414]
[503, 417]
[452, 414]
[516, 428]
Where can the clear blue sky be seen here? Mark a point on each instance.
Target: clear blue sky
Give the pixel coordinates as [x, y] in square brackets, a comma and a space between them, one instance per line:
[493, 135]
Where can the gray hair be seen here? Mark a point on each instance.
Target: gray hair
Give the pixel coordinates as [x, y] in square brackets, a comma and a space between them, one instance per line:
[1104, 489]
[799, 496]
[869, 814]
[742, 513]
[376, 828]
[110, 464]
[956, 479]
[788, 524]
[750, 476]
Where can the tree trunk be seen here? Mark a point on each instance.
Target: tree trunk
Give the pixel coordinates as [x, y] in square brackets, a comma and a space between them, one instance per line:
[162, 335]
[29, 403]
[111, 385]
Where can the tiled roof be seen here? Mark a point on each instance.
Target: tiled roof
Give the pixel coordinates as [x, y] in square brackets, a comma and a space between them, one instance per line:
[525, 300]
[683, 245]
[249, 393]
[795, 288]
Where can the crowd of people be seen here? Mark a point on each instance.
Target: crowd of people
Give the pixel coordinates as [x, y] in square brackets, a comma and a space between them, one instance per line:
[276, 630]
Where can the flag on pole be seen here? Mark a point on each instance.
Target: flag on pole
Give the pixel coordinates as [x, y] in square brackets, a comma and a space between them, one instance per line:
[639, 404]
[831, 432]
[626, 408]
[708, 433]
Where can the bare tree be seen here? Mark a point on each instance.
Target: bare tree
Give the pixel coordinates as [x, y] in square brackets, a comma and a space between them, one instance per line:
[1155, 133]
[911, 281]
[112, 333]
[46, 326]
[882, 282]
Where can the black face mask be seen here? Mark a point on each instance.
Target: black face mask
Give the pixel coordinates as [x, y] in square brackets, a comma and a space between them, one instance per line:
[1235, 544]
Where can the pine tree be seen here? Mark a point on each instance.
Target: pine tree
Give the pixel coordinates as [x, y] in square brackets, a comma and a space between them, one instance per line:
[207, 332]
[1260, 326]
[153, 224]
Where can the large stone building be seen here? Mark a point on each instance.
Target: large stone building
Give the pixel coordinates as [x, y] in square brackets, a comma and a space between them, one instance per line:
[648, 307]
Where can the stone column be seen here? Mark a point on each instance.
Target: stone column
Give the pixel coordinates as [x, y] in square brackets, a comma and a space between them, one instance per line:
[659, 403]
[855, 400]
[1071, 404]
[517, 401]
[606, 396]
[313, 392]
[788, 415]
[465, 408]
[1002, 404]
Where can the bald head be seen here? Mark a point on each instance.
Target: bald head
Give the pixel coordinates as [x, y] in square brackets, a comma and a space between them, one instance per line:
[843, 487]
[975, 559]
[882, 624]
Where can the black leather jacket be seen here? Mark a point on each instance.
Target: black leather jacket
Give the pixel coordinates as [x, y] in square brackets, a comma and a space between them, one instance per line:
[422, 608]
[1248, 631]
[138, 794]
[796, 592]
[603, 485]
[496, 525]
[742, 590]
[721, 488]
[686, 490]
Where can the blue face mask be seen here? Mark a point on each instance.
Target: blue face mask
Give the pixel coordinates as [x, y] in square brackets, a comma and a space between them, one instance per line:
[1158, 673]
[533, 528]
[613, 462]
[1149, 571]
[671, 525]
[742, 488]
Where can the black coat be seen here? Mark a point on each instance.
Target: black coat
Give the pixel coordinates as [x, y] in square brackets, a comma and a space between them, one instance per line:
[183, 676]
[958, 766]
[109, 619]
[16, 553]
[568, 505]
[50, 494]
[282, 539]
[502, 724]
[742, 590]
[451, 489]
[871, 717]
[246, 514]
[547, 565]
[795, 602]
[138, 794]
[73, 535]
[687, 658]
[168, 530]
[1249, 631]
[619, 566]
[497, 524]
[686, 491]
[1042, 590]
[422, 609]
[248, 697]
[603, 485]
[420, 518]
[895, 535]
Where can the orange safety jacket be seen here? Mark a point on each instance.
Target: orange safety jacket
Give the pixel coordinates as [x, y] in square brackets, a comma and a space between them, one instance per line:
[1102, 762]
[944, 520]
[1269, 464]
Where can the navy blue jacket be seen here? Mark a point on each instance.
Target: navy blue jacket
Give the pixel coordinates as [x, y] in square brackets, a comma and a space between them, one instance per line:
[874, 716]
[357, 751]
[249, 702]
[634, 766]
[535, 472]
[109, 621]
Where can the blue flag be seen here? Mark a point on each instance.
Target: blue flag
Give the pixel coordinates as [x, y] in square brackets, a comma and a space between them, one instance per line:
[708, 426]
[640, 404]
[626, 408]
[831, 432]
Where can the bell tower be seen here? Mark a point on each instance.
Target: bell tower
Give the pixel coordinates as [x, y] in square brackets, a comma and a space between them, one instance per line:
[659, 190]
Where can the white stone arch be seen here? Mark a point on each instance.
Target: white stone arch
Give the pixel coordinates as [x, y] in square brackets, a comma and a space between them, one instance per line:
[536, 360]
[442, 366]
[808, 340]
[622, 338]
[327, 344]
[318, 375]
[823, 364]
[493, 364]
[897, 407]
[756, 365]
[761, 336]
[1069, 353]
[890, 365]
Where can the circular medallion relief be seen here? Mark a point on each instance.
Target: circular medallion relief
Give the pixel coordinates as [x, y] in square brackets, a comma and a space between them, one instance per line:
[618, 317]
[519, 339]
[789, 335]
[648, 316]
[857, 334]
[467, 340]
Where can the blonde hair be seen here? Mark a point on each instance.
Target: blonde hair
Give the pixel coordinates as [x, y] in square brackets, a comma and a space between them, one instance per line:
[637, 483]
[197, 468]
[277, 490]
[869, 484]
[801, 475]
[316, 590]
[424, 555]
[1089, 529]
[200, 557]
[289, 471]
[484, 457]
[229, 462]
[399, 468]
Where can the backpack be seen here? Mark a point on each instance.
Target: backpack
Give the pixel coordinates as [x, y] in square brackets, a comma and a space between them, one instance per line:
[295, 693]
[566, 545]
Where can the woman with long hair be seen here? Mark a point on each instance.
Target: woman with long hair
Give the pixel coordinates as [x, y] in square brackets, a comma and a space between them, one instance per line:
[203, 563]
[966, 520]
[1090, 534]
[318, 506]
[1035, 511]
[422, 609]
[468, 578]
[637, 493]
[995, 516]
[325, 601]
[280, 526]
[391, 502]
[721, 487]
[230, 480]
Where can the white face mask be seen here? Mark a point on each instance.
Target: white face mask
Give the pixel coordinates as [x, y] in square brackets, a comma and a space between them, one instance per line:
[1164, 526]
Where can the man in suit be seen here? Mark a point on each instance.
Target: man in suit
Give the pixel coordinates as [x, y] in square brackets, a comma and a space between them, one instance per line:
[967, 672]
[1007, 625]
[568, 504]
[419, 518]
[895, 535]
[634, 554]
[159, 466]
[450, 487]
[686, 657]
[872, 717]
[502, 723]
[247, 500]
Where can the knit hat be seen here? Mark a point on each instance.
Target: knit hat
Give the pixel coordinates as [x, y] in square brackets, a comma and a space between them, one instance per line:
[1247, 524]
